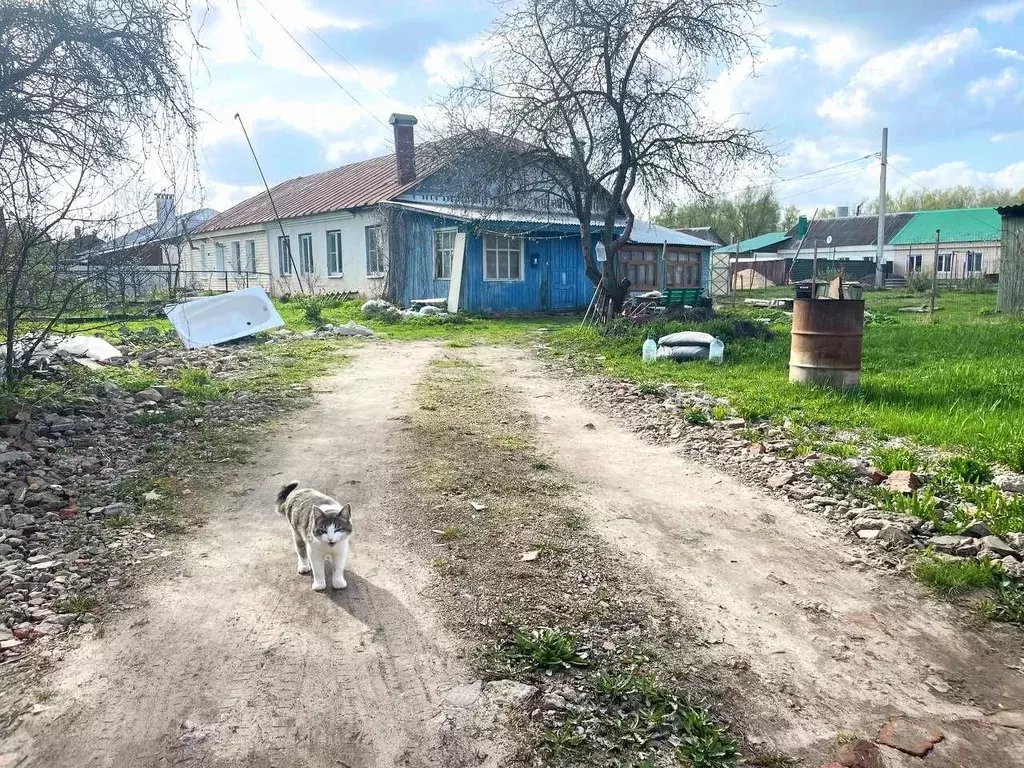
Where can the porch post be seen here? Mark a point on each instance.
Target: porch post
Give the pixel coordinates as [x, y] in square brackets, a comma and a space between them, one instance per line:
[661, 266]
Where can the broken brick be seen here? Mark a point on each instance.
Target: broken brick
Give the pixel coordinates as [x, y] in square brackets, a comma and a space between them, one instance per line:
[903, 481]
[911, 736]
[859, 754]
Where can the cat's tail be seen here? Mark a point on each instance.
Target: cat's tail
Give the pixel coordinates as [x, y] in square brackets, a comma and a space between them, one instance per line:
[284, 493]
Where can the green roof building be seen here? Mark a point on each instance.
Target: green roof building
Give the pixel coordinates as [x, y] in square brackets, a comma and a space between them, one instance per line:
[969, 244]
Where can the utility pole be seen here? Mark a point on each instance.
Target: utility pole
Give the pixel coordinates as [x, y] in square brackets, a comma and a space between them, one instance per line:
[880, 247]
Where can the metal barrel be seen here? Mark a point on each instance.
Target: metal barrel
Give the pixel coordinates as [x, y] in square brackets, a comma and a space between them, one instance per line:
[827, 340]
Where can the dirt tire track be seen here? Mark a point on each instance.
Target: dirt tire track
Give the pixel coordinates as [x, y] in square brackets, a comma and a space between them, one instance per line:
[235, 661]
[741, 562]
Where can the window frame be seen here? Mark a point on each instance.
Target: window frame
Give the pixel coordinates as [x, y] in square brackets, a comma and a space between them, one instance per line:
[307, 262]
[377, 251]
[220, 263]
[284, 265]
[497, 250]
[968, 257]
[438, 251]
[250, 256]
[236, 257]
[914, 262]
[338, 269]
[944, 266]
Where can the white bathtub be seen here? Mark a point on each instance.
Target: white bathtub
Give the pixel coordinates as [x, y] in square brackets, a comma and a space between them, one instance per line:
[216, 319]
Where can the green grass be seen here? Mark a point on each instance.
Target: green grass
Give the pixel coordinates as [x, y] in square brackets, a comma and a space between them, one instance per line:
[967, 469]
[840, 450]
[544, 648]
[942, 384]
[696, 415]
[836, 471]
[949, 578]
[893, 459]
[1002, 513]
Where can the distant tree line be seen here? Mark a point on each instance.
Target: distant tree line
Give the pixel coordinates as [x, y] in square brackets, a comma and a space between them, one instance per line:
[756, 210]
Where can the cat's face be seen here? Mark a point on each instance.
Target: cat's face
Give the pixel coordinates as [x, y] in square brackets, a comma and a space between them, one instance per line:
[332, 524]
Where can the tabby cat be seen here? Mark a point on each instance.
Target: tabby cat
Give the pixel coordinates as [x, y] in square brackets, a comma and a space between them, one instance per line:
[321, 528]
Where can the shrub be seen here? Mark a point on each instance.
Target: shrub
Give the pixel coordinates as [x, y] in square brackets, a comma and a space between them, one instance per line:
[919, 282]
[312, 310]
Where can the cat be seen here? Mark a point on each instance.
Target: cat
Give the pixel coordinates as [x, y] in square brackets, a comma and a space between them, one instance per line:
[321, 528]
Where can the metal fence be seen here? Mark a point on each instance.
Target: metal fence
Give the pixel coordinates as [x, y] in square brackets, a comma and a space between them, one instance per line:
[116, 286]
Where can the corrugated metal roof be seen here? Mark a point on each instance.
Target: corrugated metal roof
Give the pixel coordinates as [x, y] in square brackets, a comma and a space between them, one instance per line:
[174, 227]
[351, 186]
[704, 233]
[959, 225]
[755, 243]
[644, 232]
[849, 231]
[1011, 210]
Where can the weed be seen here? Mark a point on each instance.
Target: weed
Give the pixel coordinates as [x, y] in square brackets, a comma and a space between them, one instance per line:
[920, 503]
[197, 384]
[751, 434]
[541, 464]
[720, 413]
[313, 310]
[891, 459]
[969, 470]
[1007, 604]
[511, 442]
[1003, 514]
[650, 387]
[950, 577]
[117, 522]
[575, 522]
[450, 364]
[835, 471]
[770, 760]
[77, 604]
[840, 450]
[450, 533]
[545, 648]
[696, 415]
[440, 562]
[556, 742]
[1012, 455]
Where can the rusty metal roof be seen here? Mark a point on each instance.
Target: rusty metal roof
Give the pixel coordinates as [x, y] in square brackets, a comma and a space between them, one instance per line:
[351, 186]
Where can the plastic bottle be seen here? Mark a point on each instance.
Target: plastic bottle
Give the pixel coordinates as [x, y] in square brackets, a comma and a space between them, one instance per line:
[716, 352]
[650, 350]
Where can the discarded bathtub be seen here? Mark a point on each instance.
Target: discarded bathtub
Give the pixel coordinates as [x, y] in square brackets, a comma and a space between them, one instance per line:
[216, 319]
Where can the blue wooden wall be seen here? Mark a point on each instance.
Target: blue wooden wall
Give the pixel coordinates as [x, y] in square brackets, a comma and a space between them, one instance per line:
[553, 275]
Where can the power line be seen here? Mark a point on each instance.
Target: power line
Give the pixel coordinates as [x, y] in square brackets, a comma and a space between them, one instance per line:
[803, 175]
[354, 68]
[840, 180]
[324, 69]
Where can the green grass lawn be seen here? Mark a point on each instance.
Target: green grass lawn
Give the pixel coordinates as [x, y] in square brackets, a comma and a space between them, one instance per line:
[944, 383]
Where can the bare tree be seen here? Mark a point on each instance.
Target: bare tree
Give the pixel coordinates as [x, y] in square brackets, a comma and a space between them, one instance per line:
[90, 89]
[585, 106]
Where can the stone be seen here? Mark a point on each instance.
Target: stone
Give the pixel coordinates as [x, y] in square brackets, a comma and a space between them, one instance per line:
[902, 481]
[859, 754]
[1009, 718]
[465, 695]
[22, 520]
[779, 479]
[937, 684]
[509, 692]
[997, 547]
[876, 476]
[868, 534]
[110, 388]
[914, 737]
[895, 536]
[8, 458]
[553, 701]
[167, 393]
[968, 550]
[148, 395]
[757, 449]
[1012, 483]
[859, 466]
[948, 544]
[976, 530]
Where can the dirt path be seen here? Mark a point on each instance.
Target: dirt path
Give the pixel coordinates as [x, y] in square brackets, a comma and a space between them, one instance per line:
[829, 648]
[234, 661]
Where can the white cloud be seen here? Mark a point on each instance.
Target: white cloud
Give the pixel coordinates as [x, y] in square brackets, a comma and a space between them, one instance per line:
[1008, 53]
[833, 49]
[990, 89]
[1004, 13]
[445, 63]
[738, 85]
[1005, 138]
[959, 172]
[894, 72]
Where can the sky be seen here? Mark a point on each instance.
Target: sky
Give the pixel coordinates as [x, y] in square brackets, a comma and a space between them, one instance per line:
[945, 76]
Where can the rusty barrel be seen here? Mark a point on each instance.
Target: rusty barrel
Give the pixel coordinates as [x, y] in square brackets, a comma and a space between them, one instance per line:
[827, 339]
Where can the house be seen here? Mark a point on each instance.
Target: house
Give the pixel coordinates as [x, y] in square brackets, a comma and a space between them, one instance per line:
[969, 244]
[394, 226]
[754, 262]
[704, 233]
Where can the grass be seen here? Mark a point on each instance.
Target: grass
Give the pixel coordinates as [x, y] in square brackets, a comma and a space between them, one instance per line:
[967, 469]
[836, 471]
[83, 603]
[840, 450]
[949, 577]
[696, 415]
[891, 459]
[920, 503]
[941, 384]
[1002, 513]
[543, 648]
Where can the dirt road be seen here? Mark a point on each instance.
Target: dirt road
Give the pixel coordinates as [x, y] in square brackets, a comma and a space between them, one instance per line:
[831, 649]
[233, 660]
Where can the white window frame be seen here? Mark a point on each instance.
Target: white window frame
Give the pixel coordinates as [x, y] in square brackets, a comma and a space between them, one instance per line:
[945, 263]
[337, 269]
[493, 238]
[284, 264]
[307, 264]
[236, 257]
[968, 257]
[915, 260]
[439, 252]
[250, 255]
[377, 252]
[219, 258]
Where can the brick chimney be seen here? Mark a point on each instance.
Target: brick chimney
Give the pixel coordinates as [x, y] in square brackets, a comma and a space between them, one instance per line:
[405, 148]
[164, 210]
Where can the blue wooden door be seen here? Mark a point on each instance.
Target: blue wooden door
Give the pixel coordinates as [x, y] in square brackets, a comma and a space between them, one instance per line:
[564, 264]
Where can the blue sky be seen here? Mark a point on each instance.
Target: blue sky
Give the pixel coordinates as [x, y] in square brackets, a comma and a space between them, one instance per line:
[946, 77]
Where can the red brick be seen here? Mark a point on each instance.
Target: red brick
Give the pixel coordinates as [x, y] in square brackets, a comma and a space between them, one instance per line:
[911, 736]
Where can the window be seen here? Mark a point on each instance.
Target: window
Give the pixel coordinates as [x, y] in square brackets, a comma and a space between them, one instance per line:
[641, 267]
[334, 253]
[250, 255]
[284, 254]
[444, 249]
[218, 250]
[374, 252]
[306, 265]
[236, 256]
[972, 263]
[503, 257]
[945, 263]
[682, 269]
[913, 262]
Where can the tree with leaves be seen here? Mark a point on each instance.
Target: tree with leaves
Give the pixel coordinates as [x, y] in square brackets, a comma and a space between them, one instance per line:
[587, 106]
[87, 87]
[752, 212]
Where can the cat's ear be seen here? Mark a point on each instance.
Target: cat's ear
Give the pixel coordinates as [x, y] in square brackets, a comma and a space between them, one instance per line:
[345, 513]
